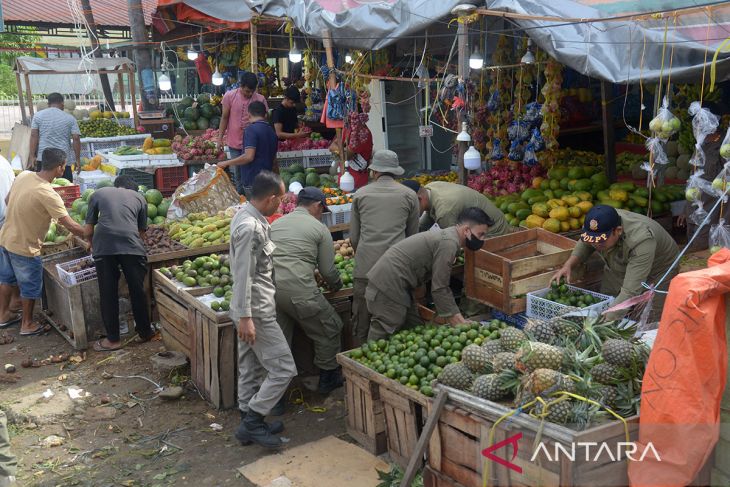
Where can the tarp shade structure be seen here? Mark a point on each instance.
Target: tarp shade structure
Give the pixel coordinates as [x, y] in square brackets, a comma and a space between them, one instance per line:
[627, 50]
[32, 65]
[234, 14]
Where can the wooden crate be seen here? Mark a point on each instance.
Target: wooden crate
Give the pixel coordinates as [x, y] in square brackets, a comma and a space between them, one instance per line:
[455, 450]
[173, 315]
[365, 417]
[432, 478]
[510, 266]
[75, 311]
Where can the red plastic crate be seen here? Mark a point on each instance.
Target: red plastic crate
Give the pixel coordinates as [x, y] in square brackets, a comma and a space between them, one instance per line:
[167, 179]
[69, 193]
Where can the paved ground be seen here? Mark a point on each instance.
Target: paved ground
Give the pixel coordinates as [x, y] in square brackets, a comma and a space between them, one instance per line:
[122, 434]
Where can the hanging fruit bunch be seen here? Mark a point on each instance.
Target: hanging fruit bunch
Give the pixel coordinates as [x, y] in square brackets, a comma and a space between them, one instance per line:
[552, 93]
[500, 94]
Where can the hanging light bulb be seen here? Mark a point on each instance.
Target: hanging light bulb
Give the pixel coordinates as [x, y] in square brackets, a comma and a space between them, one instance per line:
[529, 57]
[164, 82]
[476, 61]
[464, 135]
[295, 55]
[348, 57]
[192, 53]
[217, 78]
[472, 159]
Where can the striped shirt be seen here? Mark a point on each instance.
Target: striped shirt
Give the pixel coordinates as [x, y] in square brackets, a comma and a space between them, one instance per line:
[55, 128]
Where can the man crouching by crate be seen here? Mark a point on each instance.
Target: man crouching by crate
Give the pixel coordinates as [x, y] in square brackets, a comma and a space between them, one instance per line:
[265, 362]
[117, 220]
[31, 205]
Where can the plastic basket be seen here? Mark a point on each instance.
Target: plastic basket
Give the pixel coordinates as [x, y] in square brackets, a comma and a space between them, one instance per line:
[141, 178]
[73, 278]
[167, 179]
[69, 193]
[317, 158]
[89, 179]
[338, 215]
[539, 307]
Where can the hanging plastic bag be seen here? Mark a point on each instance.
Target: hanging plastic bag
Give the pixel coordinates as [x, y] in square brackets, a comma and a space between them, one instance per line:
[532, 114]
[719, 237]
[208, 191]
[497, 152]
[536, 140]
[698, 157]
[493, 102]
[530, 155]
[725, 147]
[699, 215]
[696, 185]
[336, 102]
[516, 152]
[665, 124]
[518, 131]
[721, 183]
[656, 148]
[704, 122]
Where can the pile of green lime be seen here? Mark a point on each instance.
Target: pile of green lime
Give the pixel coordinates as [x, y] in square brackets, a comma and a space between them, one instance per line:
[415, 357]
[560, 293]
[345, 266]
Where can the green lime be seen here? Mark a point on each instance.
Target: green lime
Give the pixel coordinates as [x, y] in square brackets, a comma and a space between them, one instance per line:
[357, 353]
[441, 361]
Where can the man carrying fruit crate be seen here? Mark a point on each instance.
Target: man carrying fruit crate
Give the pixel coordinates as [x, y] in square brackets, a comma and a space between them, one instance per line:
[635, 250]
[411, 263]
[32, 204]
[304, 244]
[117, 220]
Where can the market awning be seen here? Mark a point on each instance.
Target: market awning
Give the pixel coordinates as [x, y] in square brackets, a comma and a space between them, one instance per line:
[71, 65]
[628, 50]
[236, 15]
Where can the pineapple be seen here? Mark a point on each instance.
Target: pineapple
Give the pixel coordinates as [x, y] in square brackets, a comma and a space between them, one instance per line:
[555, 412]
[503, 361]
[512, 338]
[608, 395]
[605, 373]
[524, 397]
[457, 376]
[567, 384]
[476, 359]
[536, 355]
[565, 328]
[541, 331]
[618, 352]
[543, 380]
[488, 387]
[492, 347]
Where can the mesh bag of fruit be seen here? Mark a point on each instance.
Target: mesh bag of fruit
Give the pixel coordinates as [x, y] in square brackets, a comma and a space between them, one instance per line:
[208, 191]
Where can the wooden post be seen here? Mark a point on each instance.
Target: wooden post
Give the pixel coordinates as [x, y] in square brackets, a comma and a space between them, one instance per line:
[133, 95]
[463, 72]
[29, 94]
[253, 32]
[91, 32]
[120, 85]
[609, 136]
[328, 49]
[20, 97]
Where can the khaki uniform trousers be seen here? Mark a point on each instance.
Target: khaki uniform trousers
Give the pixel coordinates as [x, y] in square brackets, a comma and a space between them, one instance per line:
[389, 316]
[8, 464]
[265, 368]
[360, 314]
[317, 318]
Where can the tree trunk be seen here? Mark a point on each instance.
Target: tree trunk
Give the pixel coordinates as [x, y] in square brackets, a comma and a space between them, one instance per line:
[142, 56]
[89, 15]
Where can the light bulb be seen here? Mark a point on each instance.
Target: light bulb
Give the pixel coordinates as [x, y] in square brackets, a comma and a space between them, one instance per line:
[295, 55]
[472, 159]
[528, 58]
[295, 187]
[476, 61]
[192, 53]
[164, 83]
[348, 58]
[464, 135]
[217, 78]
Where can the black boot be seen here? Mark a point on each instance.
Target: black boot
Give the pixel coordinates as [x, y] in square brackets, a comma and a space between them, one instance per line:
[329, 380]
[280, 407]
[253, 429]
[275, 427]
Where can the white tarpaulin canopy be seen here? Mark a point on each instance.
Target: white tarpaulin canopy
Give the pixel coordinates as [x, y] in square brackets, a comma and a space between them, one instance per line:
[71, 65]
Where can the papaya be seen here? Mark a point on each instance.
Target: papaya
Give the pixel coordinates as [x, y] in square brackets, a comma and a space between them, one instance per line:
[564, 183]
[602, 195]
[584, 195]
[555, 203]
[548, 193]
[558, 173]
[537, 182]
[554, 184]
[643, 192]
[576, 172]
[639, 201]
[571, 184]
[585, 206]
[574, 212]
[661, 197]
[545, 184]
[541, 210]
[147, 144]
[625, 186]
[215, 235]
[504, 207]
[523, 213]
[559, 193]
[574, 223]
[583, 185]
[551, 225]
[536, 199]
[570, 200]
[657, 207]
[530, 193]
[613, 203]
[618, 195]
[560, 214]
[197, 243]
[534, 221]
[161, 143]
[564, 226]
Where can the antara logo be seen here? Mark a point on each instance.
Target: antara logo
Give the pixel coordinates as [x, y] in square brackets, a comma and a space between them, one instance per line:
[590, 451]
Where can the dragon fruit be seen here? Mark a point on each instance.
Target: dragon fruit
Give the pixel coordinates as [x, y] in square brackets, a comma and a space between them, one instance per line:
[504, 178]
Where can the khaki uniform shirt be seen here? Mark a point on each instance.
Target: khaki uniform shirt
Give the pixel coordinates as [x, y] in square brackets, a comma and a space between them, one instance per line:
[643, 254]
[251, 265]
[303, 244]
[448, 200]
[383, 213]
[413, 262]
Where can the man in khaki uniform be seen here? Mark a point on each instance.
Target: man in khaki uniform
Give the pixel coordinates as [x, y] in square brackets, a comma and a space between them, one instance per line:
[304, 244]
[443, 202]
[383, 213]
[8, 463]
[634, 248]
[265, 363]
[427, 256]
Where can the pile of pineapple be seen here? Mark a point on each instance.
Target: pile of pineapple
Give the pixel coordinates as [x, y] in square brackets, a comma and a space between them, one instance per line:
[536, 370]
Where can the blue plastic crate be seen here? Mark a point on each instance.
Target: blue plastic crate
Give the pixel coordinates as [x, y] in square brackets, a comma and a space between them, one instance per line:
[517, 320]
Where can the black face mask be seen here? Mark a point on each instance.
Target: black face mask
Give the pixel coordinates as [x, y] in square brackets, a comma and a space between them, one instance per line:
[473, 243]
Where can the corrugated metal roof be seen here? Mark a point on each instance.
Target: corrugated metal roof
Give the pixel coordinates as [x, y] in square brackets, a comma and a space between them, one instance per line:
[107, 13]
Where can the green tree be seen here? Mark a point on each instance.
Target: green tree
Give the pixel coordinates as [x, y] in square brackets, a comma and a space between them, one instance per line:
[16, 45]
[8, 87]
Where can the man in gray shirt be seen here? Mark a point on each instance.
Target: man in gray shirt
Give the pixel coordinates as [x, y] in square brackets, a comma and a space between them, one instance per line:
[54, 128]
[117, 219]
[265, 362]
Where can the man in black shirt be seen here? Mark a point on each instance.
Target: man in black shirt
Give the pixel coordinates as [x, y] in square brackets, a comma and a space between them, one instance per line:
[285, 118]
[117, 219]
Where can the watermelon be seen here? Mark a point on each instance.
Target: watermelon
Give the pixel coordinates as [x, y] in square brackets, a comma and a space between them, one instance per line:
[61, 182]
[203, 99]
[215, 121]
[82, 211]
[207, 110]
[149, 222]
[189, 125]
[192, 114]
[163, 207]
[185, 103]
[76, 205]
[296, 168]
[153, 197]
[298, 177]
[151, 210]
[104, 183]
[217, 110]
[202, 123]
[87, 194]
[312, 179]
[158, 220]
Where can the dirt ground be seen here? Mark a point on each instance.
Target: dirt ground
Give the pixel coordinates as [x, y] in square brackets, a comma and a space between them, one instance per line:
[122, 433]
